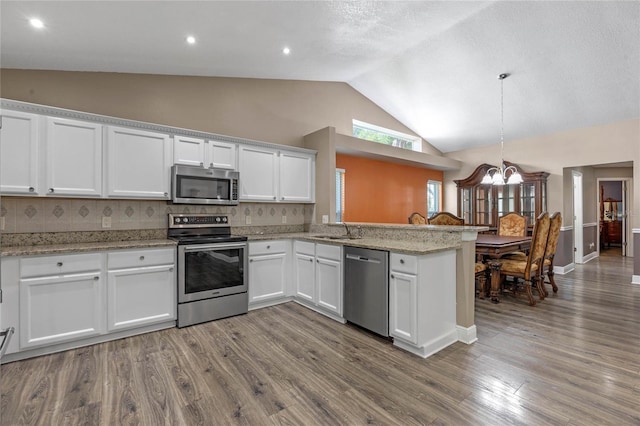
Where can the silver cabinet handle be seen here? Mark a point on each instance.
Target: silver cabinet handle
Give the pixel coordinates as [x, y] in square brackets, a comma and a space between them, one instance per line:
[141, 257]
[59, 264]
[31, 189]
[402, 261]
[50, 190]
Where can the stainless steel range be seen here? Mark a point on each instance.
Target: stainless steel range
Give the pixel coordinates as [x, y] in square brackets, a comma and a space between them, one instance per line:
[212, 268]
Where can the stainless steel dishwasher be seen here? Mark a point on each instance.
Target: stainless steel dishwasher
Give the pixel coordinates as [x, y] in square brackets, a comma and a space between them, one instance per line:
[366, 288]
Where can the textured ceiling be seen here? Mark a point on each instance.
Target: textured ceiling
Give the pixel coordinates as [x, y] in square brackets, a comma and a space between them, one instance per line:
[433, 65]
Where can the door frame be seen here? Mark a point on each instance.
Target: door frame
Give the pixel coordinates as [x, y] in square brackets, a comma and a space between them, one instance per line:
[578, 228]
[627, 201]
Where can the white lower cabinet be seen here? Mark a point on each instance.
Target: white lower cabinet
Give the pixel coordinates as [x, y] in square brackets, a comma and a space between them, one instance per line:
[58, 302]
[422, 301]
[65, 303]
[268, 271]
[318, 276]
[141, 288]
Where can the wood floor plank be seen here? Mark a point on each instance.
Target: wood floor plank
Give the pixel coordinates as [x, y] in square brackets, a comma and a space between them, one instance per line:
[573, 359]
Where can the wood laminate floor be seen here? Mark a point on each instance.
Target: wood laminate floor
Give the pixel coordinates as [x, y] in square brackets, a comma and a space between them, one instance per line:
[574, 359]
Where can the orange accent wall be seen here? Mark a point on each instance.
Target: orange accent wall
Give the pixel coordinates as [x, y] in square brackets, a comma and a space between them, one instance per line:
[377, 191]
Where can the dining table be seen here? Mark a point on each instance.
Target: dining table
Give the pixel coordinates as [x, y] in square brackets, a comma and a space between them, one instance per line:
[491, 248]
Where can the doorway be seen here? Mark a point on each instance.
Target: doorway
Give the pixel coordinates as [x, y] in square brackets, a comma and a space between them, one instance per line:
[613, 218]
[577, 218]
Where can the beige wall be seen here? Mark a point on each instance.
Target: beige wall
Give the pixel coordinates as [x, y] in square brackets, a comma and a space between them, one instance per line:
[277, 111]
[610, 143]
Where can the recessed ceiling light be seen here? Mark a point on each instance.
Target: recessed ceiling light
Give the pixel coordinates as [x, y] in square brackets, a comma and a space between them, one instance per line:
[286, 50]
[191, 40]
[36, 23]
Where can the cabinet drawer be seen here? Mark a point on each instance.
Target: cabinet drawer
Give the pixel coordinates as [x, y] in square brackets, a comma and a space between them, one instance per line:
[404, 263]
[305, 247]
[60, 265]
[140, 258]
[267, 247]
[329, 251]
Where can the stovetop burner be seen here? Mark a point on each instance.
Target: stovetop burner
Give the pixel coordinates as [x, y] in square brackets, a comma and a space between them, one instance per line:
[187, 228]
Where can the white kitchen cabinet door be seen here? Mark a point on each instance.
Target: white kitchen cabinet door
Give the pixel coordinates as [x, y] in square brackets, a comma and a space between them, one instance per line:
[73, 158]
[297, 175]
[305, 270]
[223, 155]
[141, 296]
[57, 309]
[267, 277]
[19, 153]
[329, 284]
[189, 151]
[258, 169]
[139, 163]
[403, 305]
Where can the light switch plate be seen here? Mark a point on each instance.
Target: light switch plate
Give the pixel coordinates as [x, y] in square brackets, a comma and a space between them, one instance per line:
[247, 220]
[106, 221]
[325, 218]
[284, 219]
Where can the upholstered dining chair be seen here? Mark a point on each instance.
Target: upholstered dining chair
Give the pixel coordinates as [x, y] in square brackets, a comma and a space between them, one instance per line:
[529, 270]
[445, 218]
[481, 271]
[512, 224]
[549, 252]
[416, 218]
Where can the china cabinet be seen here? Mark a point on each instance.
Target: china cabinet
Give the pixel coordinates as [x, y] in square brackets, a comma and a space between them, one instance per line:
[483, 204]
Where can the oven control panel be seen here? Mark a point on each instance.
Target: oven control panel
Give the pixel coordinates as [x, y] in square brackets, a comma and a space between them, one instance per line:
[186, 220]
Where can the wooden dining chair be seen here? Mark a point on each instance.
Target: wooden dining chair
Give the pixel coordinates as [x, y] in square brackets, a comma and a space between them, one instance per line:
[481, 275]
[529, 270]
[445, 218]
[416, 218]
[513, 224]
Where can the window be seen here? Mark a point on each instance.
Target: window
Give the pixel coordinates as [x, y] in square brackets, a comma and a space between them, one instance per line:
[434, 196]
[381, 135]
[339, 194]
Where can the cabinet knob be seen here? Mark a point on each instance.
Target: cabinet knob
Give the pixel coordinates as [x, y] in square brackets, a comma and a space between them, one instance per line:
[96, 278]
[50, 190]
[250, 260]
[402, 261]
[141, 257]
[201, 164]
[268, 247]
[274, 197]
[59, 264]
[317, 260]
[31, 189]
[211, 165]
[392, 276]
[310, 260]
[170, 269]
[166, 194]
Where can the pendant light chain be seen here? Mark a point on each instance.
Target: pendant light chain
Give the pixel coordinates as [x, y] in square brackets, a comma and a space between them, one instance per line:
[502, 77]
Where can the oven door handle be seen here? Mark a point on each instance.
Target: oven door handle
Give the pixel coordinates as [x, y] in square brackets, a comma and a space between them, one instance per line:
[216, 246]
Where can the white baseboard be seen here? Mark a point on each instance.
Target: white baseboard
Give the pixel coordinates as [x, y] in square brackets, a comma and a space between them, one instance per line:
[590, 256]
[427, 348]
[467, 335]
[561, 270]
[267, 303]
[635, 279]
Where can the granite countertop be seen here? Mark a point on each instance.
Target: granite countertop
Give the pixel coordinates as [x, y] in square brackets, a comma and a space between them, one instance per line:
[399, 246]
[41, 249]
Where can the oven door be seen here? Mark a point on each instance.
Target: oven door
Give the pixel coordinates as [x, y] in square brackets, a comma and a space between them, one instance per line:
[211, 270]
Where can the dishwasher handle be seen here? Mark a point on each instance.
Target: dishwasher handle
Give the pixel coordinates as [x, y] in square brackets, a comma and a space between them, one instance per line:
[361, 258]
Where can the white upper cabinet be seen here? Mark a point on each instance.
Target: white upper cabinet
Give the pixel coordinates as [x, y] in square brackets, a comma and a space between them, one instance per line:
[271, 175]
[296, 177]
[189, 151]
[19, 153]
[73, 158]
[139, 163]
[258, 173]
[223, 155]
[200, 153]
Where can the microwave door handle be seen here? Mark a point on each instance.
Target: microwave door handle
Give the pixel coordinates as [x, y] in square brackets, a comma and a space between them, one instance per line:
[217, 246]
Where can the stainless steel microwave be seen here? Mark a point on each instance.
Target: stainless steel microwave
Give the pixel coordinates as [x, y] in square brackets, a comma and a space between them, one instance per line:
[197, 185]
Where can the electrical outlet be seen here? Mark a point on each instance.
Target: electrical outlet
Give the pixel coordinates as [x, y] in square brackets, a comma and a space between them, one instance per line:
[106, 221]
[325, 218]
[247, 220]
[284, 219]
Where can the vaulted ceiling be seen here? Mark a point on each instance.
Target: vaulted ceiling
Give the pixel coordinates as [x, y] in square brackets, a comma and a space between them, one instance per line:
[433, 65]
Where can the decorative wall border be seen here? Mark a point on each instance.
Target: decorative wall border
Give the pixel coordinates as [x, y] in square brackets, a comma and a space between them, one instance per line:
[114, 121]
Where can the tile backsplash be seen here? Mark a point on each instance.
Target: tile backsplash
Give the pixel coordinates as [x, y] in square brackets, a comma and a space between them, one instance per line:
[35, 214]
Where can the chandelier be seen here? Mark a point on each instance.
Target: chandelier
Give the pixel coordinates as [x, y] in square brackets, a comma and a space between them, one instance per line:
[499, 176]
